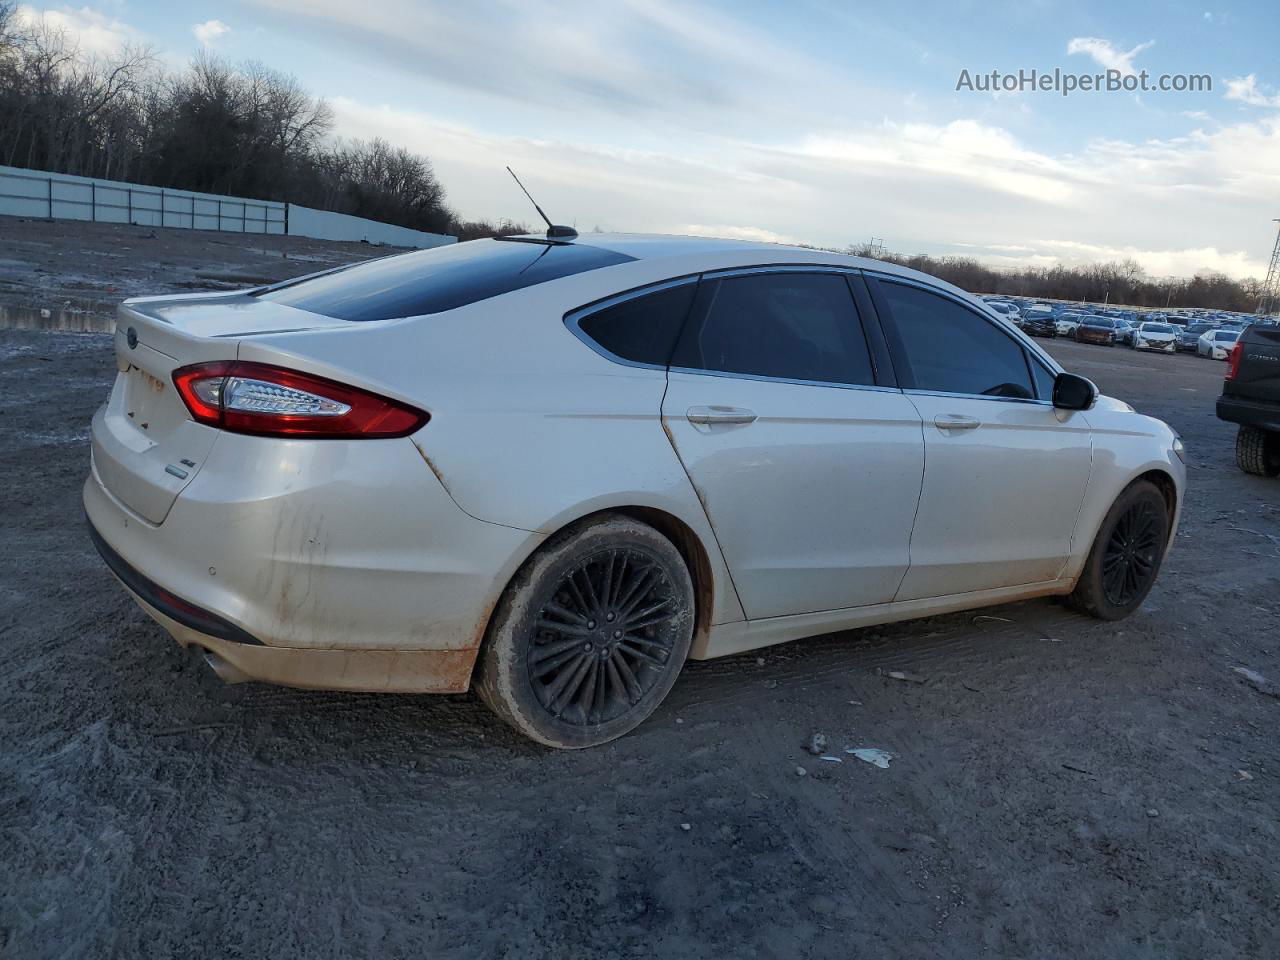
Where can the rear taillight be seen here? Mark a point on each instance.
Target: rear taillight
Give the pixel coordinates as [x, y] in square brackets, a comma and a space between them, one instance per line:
[271, 401]
[1233, 360]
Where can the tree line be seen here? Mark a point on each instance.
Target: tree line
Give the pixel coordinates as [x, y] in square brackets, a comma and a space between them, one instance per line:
[1122, 282]
[215, 127]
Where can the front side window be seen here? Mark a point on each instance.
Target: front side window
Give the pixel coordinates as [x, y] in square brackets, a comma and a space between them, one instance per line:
[940, 345]
[790, 326]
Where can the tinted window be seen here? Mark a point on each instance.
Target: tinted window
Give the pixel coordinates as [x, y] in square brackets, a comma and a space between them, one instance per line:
[940, 345]
[1043, 378]
[643, 329]
[1156, 328]
[795, 326]
[431, 281]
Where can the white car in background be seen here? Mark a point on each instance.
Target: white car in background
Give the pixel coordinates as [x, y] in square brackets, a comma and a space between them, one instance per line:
[1217, 343]
[1006, 310]
[1066, 323]
[555, 469]
[1151, 335]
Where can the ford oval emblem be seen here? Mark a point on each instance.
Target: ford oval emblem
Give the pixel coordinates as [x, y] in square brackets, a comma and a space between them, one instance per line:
[131, 335]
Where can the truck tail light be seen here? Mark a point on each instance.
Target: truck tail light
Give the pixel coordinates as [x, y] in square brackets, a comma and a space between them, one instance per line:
[1233, 360]
[271, 401]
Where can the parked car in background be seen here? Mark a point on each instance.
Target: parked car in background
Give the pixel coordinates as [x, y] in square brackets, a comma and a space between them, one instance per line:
[1039, 323]
[1217, 343]
[1155, 336]
[1066, 323]
[1095, 329]
[1124, 331]
[1251, 398]
[1189, 335]
[1006, 310]
[553, 470]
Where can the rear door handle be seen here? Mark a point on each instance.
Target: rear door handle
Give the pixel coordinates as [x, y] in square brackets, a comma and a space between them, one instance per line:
[956, 421]
[718, 414]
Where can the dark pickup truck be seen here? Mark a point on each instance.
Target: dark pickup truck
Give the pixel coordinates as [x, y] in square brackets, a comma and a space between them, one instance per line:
[1251, 398]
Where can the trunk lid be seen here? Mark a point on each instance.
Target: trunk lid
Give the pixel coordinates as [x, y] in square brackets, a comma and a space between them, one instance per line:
[146, 447]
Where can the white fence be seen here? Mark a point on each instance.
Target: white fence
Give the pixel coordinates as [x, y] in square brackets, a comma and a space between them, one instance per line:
[327, 225]
[57, 196]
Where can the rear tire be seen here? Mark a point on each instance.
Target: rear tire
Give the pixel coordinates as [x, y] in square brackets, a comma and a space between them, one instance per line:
[1258, 451]
[590, 634]
[1125, 557]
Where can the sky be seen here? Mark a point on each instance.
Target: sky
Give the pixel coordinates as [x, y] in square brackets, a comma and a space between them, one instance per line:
[809, 121]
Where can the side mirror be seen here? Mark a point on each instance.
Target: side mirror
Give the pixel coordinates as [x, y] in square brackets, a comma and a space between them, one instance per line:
[1071, 392]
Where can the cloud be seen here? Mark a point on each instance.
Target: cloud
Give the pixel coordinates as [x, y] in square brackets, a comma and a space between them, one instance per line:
[93, 32]
[1176, 205]
[1106, 55]
[758, 234]
[209, 32]
[1246, 90]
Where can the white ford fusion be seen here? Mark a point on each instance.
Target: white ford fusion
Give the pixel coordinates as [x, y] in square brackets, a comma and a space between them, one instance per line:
[554, 469]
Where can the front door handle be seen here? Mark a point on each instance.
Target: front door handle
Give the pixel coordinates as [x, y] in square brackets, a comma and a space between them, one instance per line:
[718, 414]
[956, 421]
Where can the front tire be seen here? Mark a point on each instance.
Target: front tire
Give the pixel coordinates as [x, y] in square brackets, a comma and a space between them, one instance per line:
[1126, 554]
[590, 634]
[1258, 451]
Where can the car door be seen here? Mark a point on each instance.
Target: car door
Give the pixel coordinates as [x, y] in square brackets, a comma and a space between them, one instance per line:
[1005, 471]
[807, 463]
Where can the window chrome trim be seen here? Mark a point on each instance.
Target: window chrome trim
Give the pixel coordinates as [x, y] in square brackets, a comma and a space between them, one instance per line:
[977, 396]
[725, 272]
[574, 318]
[800, 383]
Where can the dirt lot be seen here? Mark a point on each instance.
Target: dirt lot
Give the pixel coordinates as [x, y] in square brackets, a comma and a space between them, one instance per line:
[1060, 787]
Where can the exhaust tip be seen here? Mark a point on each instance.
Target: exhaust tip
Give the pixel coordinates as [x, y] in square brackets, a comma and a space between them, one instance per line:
[227, 672]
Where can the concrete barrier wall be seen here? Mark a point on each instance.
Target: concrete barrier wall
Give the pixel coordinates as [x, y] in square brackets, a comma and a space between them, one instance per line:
[327, 225]
[58, 196]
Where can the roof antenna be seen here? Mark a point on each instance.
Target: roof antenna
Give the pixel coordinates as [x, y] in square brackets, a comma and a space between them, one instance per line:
[554, 232]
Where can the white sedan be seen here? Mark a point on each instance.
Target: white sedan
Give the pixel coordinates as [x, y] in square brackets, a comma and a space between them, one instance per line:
[553, 469]
[1217, 343]
[1152, 335]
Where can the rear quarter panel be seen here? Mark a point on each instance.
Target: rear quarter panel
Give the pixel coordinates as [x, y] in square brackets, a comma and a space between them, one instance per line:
[529, 428]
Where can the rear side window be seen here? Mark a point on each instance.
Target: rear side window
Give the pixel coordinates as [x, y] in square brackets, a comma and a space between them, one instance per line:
[642, 329]
[790, 326]
[432, 281]
[940, 345]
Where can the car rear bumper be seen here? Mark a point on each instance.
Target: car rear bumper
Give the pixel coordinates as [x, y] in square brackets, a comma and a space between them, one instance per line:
[316, 566]
[1250, 413]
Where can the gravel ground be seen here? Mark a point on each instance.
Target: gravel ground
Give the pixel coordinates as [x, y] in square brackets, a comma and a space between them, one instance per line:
[1059, 787]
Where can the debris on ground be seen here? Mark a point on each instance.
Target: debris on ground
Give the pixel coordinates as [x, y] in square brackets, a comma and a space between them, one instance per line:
[801, 772]
[686, 827]
[872, 755]
[1258, 681]
[817, 744]
[902, 675]
[986, 616]
[1244, 774]
[830, 759]
[1153, 812]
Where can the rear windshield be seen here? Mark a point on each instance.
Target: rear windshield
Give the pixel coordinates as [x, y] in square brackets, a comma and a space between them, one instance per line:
[1226, 334]
[432, 281]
